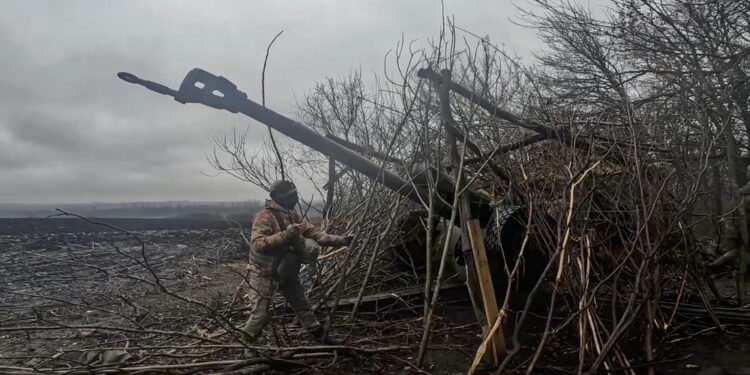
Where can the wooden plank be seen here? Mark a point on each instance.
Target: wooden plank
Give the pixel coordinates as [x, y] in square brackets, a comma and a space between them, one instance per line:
[478, 272]
[486, 286]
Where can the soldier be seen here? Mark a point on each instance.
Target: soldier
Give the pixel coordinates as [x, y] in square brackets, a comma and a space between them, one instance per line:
[281, 240]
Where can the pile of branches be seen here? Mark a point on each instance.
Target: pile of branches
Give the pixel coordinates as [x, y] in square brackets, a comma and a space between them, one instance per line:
[612, 146]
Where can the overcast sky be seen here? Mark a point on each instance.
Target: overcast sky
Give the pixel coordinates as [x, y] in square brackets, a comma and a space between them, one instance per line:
[70, 131]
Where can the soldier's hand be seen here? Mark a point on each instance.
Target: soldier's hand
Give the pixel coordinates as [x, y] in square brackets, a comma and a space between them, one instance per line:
[292, 232]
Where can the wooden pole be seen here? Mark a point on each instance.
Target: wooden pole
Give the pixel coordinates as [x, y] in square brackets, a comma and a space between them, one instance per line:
[331, 185]
[479, 278]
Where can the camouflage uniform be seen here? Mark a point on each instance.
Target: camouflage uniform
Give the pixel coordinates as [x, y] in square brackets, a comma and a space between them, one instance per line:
[270, 248]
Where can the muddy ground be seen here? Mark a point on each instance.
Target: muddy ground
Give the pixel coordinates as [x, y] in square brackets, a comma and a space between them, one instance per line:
[69, 291]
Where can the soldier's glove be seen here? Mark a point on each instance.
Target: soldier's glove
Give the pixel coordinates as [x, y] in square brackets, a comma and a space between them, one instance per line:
[291, 233]
[345, 240]
[310, 252]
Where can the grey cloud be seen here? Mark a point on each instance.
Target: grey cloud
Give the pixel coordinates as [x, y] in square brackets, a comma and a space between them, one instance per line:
[71, 131]
[39, 129]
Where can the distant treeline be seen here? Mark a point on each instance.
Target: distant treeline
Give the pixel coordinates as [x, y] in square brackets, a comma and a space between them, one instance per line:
[21, 226]
[233, 211]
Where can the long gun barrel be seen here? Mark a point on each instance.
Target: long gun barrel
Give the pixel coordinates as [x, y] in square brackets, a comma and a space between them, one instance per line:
[200, 86]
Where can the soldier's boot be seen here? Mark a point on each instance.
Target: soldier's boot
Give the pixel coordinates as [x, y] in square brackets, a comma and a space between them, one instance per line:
[319, 335]
[251, 332]
[249, 353]
[295, 295]
[249, 339]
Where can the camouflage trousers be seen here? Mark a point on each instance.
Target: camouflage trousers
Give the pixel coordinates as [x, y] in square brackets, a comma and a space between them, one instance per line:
[262, 288]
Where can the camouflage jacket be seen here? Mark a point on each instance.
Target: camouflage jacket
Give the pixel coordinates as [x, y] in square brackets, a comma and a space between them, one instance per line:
[267, 237]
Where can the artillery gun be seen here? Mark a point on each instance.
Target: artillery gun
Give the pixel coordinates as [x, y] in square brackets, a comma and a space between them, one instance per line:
[502, 240]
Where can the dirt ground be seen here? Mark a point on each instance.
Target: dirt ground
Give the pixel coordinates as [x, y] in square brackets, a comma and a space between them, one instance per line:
[79, 285]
